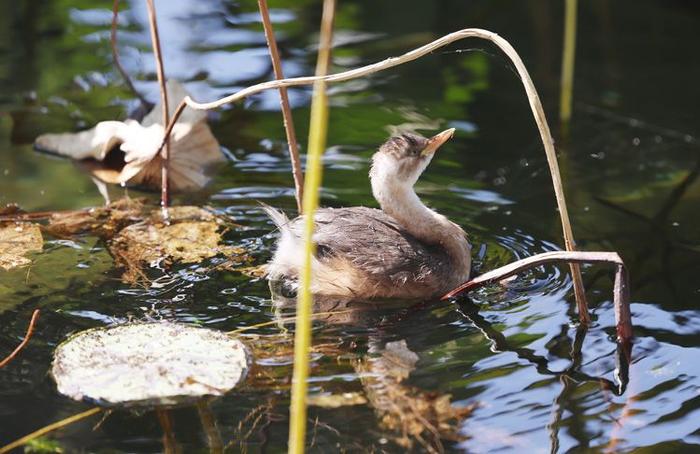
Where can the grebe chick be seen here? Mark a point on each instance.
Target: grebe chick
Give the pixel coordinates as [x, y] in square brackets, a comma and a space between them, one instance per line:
[405, 250]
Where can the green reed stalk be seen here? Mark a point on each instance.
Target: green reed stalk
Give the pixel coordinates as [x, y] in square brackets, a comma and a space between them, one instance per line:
[50, 428]
[567, 64]
[317, 144]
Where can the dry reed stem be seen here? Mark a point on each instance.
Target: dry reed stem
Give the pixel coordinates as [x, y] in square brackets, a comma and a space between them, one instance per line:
[623, 316]
[287, 118]
[115, 54]
[165, 154]
[533, 99]
[318, 128]
[166, 423]
[208, 420]
[30, 331]
[50, 428]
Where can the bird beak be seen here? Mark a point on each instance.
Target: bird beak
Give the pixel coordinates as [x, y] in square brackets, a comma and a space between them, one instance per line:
[436, 142]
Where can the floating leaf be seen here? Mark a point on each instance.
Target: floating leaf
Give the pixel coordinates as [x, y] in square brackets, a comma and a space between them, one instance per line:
[104, 222]
[147, 364]
[16, 240]
[127, 151]
[190, 236]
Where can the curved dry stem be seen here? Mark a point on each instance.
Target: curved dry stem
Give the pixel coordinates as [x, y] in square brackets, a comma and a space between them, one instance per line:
[621, 297]
[115, 54]
[287, 119]
[533, 98]
[30, 331]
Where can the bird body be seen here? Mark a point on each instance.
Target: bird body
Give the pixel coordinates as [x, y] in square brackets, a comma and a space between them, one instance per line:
[405, 250]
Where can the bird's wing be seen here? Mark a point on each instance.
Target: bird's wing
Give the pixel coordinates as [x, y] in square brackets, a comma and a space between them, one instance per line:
[373, 242]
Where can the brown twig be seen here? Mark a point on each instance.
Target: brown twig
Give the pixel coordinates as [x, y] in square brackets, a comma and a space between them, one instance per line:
[30, 331]
[115, 54]
[165, 154]
[623, 316]
[284, 103]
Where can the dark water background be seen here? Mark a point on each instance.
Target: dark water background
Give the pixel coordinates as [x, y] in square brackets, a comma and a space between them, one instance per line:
[630, 167]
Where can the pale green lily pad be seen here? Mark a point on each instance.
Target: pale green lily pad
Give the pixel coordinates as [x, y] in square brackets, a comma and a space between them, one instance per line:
[148, 364]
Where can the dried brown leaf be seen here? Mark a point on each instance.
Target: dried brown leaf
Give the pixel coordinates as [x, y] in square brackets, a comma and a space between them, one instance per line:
[191, 235]
[104, 222]
[127, 152]
[16, 240]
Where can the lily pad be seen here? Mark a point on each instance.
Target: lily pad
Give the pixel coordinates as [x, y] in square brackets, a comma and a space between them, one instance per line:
[127, 151]
[16, 240]
[148, 364]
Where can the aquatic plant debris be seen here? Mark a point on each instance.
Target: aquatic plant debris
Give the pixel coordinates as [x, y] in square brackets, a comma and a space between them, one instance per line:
[335, 400]
[148, 364]
[104, 222]
[190, 235]
[17, 239]
[416, 415]
[127, 152]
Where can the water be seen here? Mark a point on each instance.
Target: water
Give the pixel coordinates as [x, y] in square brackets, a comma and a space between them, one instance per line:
[630, 165]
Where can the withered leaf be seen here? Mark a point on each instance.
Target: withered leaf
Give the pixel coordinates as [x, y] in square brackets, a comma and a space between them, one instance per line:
[16, 240]
[191, 235]
[127, 152]
[103, 222]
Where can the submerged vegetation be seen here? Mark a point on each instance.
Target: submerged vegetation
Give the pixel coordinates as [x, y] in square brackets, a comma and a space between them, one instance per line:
[331, 357]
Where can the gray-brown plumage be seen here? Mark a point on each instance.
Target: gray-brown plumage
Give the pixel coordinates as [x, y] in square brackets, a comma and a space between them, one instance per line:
[404, 250]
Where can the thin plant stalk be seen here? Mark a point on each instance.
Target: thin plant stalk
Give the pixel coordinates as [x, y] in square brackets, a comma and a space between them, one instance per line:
[165, 153]
[208, 420]
[317, 144]
[284, 104]
[567, 64]
[30, 331]
[621, 296]
[166, 423]
[115, 54]
[50, 428]
[533, 98]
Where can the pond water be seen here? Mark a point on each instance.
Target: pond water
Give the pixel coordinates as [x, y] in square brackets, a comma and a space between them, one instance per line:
[630, 164]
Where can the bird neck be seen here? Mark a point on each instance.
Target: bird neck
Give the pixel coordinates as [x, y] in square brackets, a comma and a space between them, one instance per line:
[401, 203]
